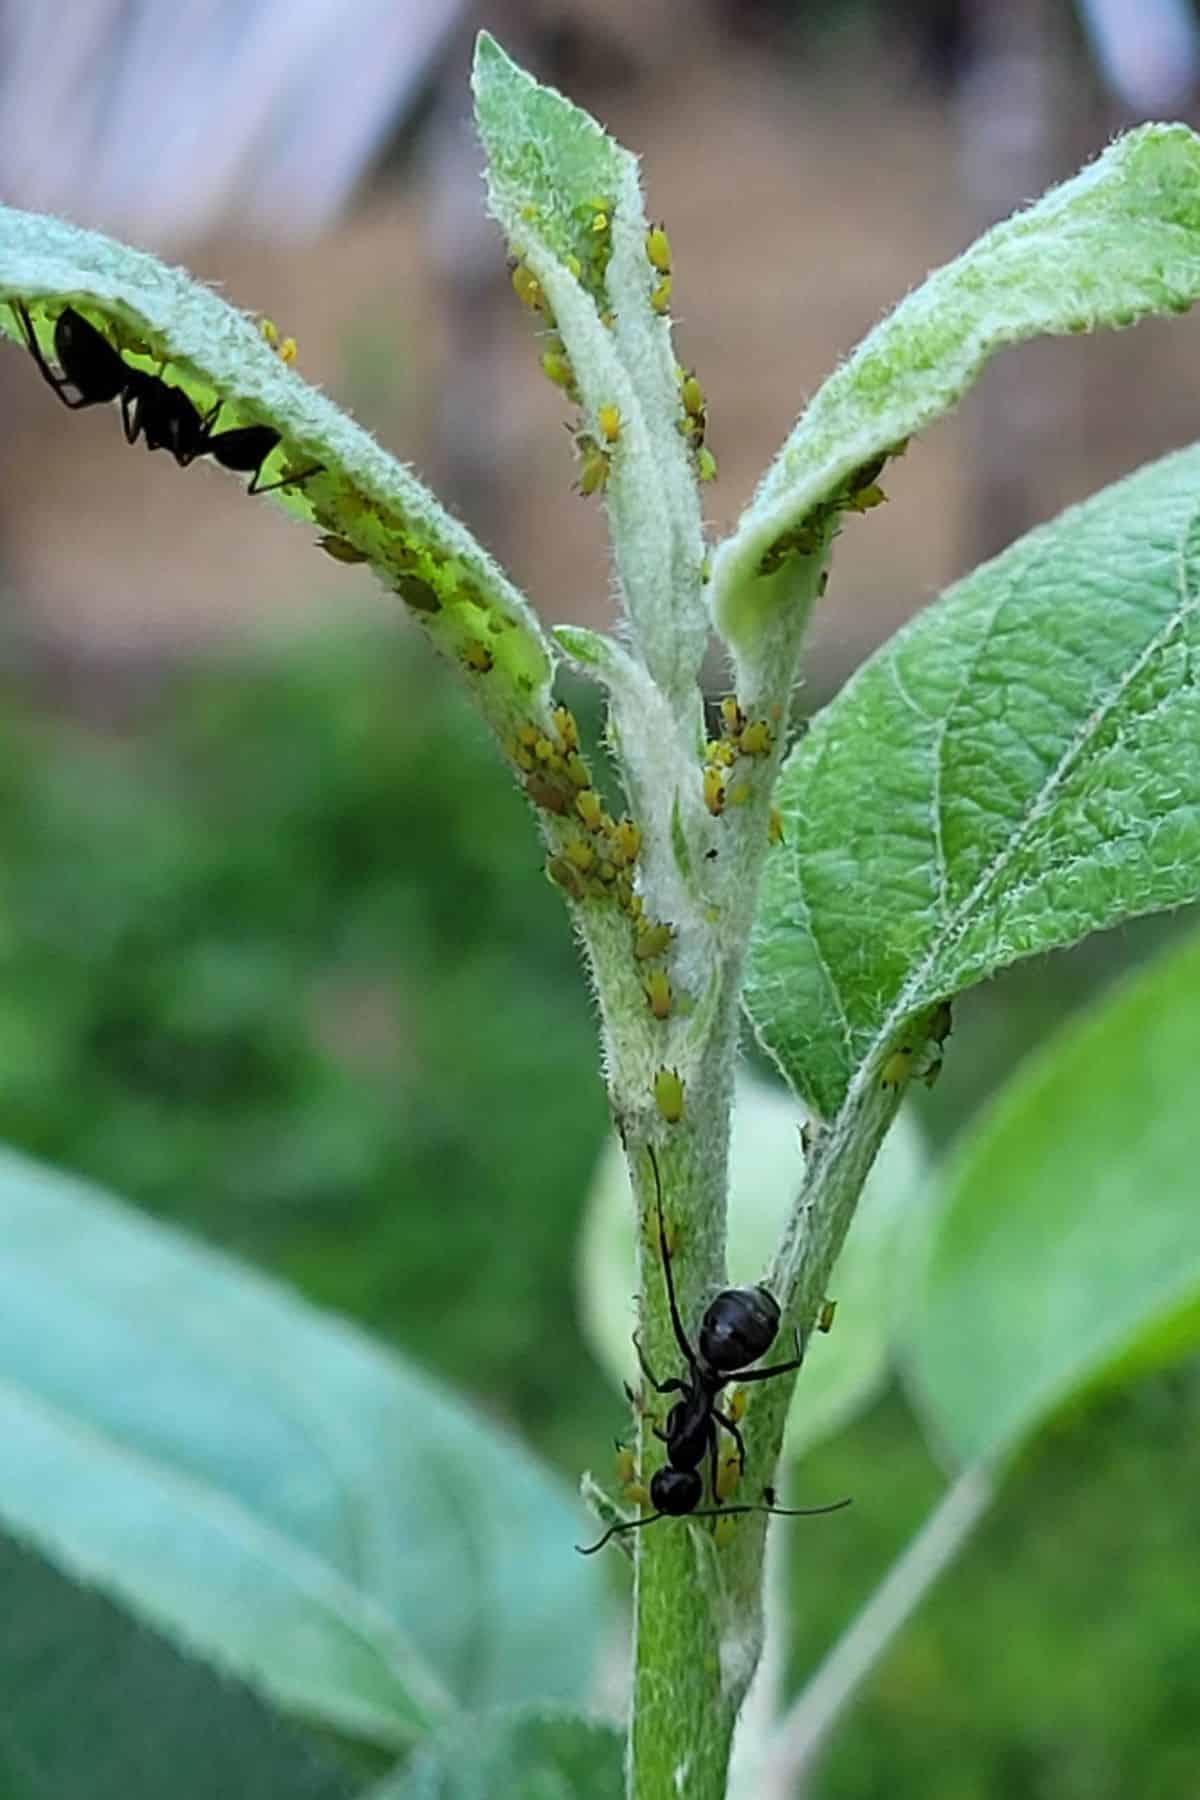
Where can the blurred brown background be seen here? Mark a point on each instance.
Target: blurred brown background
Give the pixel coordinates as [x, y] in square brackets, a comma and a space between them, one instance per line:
[811, 162]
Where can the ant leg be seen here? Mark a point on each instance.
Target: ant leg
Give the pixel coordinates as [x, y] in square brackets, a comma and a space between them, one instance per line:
[59, 383]
[674, 1386]
[723, 1420]
[287, 480]
[784, 1368]
[615, 1530]
[681, 1337]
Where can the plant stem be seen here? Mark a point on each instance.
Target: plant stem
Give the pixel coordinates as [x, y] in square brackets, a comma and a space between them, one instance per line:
[805, 1731]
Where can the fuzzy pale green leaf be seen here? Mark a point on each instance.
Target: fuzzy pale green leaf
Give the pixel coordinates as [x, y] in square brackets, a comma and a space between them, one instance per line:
[1066, 1251]
[267, 1487]
[1118, 242]
[98, 1708]
[363, 496]
[1019, 767]
[554, 176]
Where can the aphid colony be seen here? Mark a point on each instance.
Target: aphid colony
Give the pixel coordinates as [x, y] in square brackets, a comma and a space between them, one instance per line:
[725, 778]
[738, 1327]
[860, 492]
[596, 440]
[94, 373]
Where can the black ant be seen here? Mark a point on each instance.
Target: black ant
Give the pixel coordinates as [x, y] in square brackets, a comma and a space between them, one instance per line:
[738, 1327]
[164, 416]
[88, 361]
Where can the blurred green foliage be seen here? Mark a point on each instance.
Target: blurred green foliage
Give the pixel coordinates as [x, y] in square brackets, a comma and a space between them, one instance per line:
[278, 960]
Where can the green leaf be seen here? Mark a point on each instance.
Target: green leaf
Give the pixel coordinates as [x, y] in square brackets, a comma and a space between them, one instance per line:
[97, 1708]
[536, 1754]
[1066, 1251]
[1016, 769]
[364, 496]
[1118, 242]
[843, 1369]
[553, 178]
[265, 1485]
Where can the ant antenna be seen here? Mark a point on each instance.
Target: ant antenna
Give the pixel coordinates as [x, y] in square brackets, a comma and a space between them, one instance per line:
[713, 1512]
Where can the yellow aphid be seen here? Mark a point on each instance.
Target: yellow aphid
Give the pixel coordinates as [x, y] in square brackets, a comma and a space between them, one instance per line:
[563, 875]
[477, 656]
[692, 395]
[652, 940]
[825, 1315]
[528, 288]
[593, 466]
[714, 791]
[658, 993]
[528, 735]
[340, 549]
[577, 771]
[755, 739]
[608, 418]
[735, 1405]
[600, 220]
[898, 1068]
[733, 718]
[724, 1530]
[523, 759]
[574, 265]
[544, 750]
[627, 840]
[865, 498]
[287, 350]
[706, 464]
[556, 367]
[589, 808]
[775, 827]
[668, 1095]
[658, 250]
[564, 724]
[660, 297]
[270, 331]
[580, 852]
[729, 1473]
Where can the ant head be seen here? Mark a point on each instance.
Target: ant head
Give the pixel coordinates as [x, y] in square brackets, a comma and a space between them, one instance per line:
[675, 1491]
[739, 1325]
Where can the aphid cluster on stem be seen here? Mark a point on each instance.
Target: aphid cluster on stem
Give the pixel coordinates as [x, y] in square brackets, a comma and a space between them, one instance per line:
[738, 1327]
[94, 373]
[726, 777]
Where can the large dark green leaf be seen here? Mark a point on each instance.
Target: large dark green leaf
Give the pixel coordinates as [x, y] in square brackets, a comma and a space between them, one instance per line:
[267, 1486]
[1019, 767]
[97, 1708]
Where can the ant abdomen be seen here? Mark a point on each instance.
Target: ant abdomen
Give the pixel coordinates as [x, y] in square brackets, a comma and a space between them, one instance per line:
[739, 1325]
[675, 1491]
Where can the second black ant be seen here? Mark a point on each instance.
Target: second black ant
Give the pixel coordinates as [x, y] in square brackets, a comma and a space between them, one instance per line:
[165, 416]
[738, 1327]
